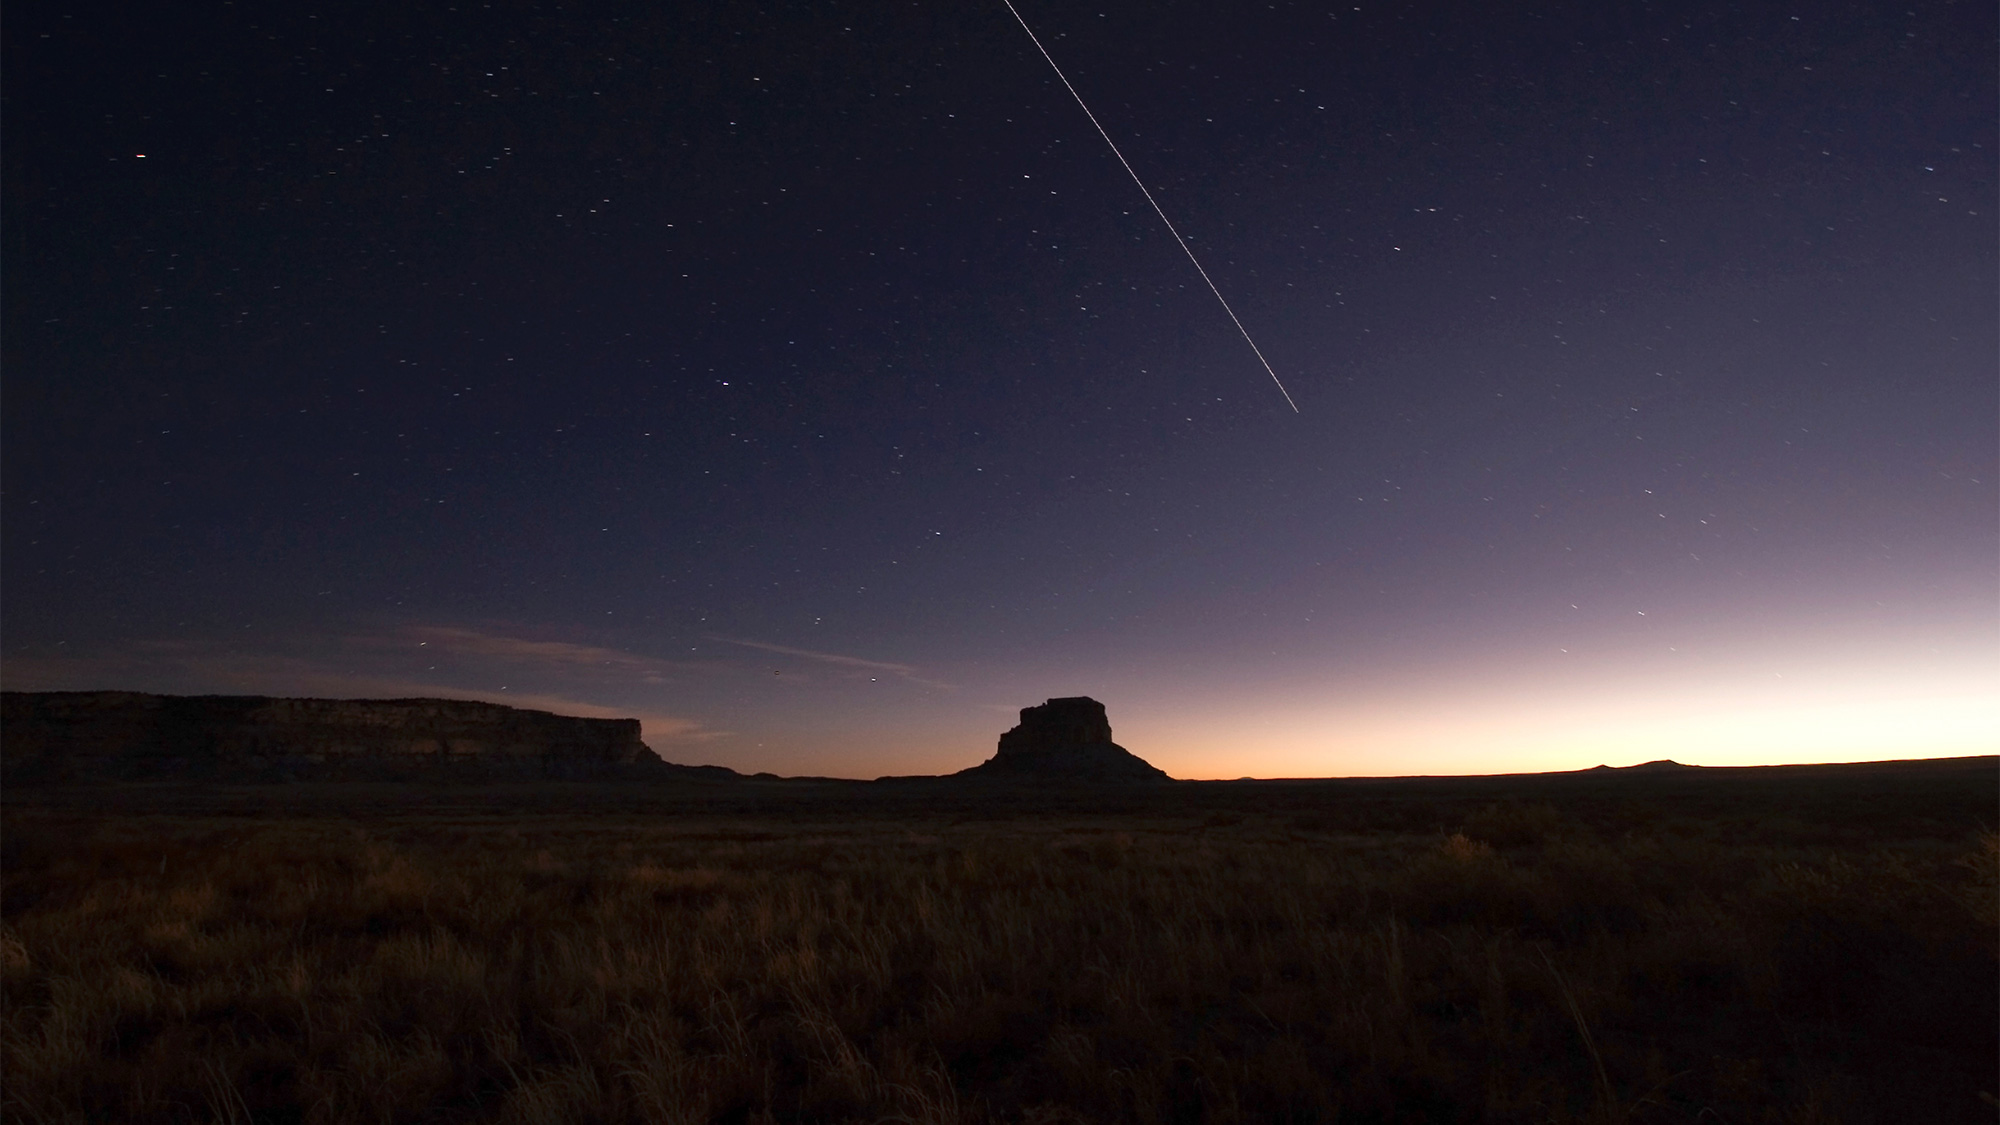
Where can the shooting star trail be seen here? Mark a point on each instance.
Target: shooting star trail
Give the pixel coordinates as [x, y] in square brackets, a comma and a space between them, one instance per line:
[1156, 206]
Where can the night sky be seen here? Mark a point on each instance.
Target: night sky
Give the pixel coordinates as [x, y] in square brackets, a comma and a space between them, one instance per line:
[811, 381]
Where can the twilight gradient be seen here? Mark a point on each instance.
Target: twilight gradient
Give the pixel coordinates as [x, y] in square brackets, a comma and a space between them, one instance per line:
[812, 384]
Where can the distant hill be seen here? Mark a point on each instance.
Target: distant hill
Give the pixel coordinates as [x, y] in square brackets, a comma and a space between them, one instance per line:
[130, 736]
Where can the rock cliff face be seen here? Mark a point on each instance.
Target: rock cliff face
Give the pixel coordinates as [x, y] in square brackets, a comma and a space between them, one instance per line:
[116, 735]
[1069, 739]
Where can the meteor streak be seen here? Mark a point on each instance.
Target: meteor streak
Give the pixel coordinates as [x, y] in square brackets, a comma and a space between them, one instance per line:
[1156, 206]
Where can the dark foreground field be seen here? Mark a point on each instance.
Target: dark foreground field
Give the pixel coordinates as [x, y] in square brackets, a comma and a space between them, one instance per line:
[1796, 945]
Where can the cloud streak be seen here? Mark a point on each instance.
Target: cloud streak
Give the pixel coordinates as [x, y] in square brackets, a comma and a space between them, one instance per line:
[908, 672]
[463, 642]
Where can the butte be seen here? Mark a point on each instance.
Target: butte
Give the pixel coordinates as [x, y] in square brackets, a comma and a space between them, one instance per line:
[1066, 739]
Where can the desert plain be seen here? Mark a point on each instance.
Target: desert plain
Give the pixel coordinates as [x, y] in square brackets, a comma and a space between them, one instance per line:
[1778, 944]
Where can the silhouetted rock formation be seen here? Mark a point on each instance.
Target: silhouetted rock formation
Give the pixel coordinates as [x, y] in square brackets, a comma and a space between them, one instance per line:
[1067, 738]
[121, 735]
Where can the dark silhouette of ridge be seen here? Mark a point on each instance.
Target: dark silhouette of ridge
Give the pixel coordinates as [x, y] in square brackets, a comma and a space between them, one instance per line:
[135, 736]
[1066, 739]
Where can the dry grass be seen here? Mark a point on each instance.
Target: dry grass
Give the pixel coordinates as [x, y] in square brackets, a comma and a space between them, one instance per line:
[1520, 966]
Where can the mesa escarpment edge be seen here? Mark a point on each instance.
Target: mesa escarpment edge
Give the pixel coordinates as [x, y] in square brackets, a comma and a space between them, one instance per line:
[137, 736]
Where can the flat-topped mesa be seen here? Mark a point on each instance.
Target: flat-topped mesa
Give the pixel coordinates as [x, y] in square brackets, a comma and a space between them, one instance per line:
[1067, 738]
[118, 735]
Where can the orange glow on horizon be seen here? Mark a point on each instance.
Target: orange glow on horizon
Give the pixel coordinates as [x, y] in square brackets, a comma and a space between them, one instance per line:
[1825, 717]
[1531, 721]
